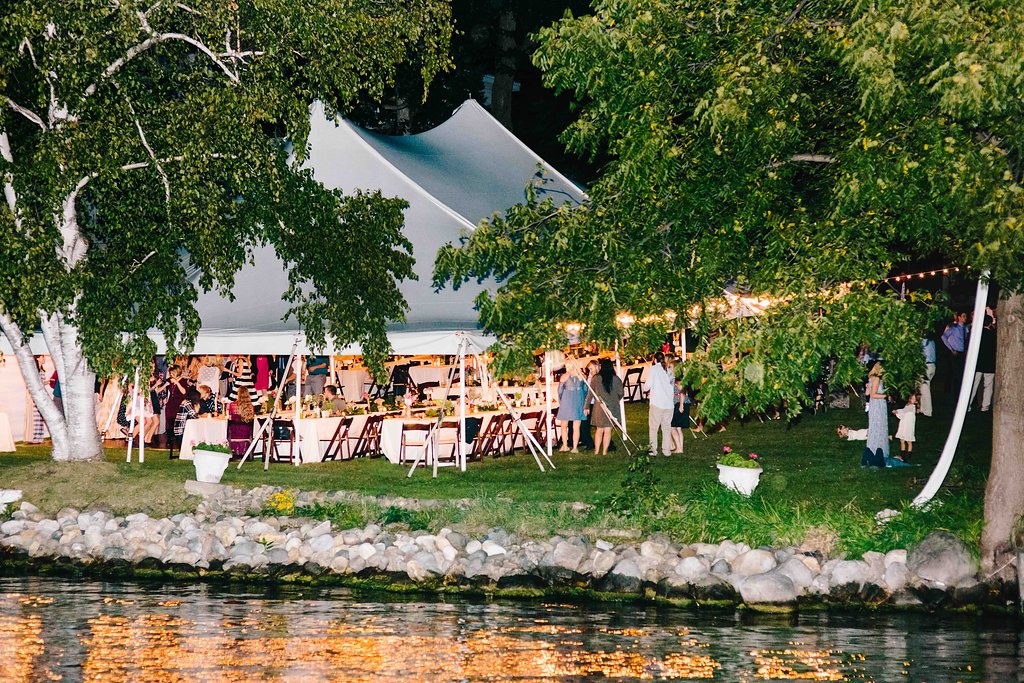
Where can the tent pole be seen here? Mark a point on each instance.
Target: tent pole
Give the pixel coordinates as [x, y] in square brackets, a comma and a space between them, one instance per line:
[297, 419]
[622, 401]
[131, 422]
[549, 423]
[267, 424]
[462, 405]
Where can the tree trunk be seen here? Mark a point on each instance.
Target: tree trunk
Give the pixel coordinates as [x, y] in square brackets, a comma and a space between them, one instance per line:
[1004, 492]
[504, 69]
[73, 433]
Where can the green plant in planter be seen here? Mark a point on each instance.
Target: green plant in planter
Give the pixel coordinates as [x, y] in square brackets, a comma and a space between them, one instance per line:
[732, 459]
[213, 447]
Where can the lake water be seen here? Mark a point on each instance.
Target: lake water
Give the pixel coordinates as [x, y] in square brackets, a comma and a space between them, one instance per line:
[93, 631]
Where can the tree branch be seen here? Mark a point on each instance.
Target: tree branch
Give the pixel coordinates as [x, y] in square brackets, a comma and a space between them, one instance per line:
[810, 158]
[155, 39]
[27, 113]
[9, 192]
[152, 155]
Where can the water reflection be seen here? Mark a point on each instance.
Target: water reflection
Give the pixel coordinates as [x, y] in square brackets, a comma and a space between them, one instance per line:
[52, 630]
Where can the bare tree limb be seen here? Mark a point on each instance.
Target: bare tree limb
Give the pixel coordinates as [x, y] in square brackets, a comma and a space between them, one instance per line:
[26, 112]
[146, 44]
[152, 155]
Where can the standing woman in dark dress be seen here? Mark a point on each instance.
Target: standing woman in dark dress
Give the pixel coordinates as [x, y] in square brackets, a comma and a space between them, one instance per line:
[607, 390]
[178, 384]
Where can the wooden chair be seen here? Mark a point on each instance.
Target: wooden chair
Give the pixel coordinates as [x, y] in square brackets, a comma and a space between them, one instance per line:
[483, 442]
[446, 444]
[415, 442]
[367, 442]
[338, 444]
[375, 390]
[632, 386]
[508, 436]
[281, 431]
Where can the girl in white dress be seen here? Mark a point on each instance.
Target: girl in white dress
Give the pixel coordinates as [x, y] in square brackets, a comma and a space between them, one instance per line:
[905, 431]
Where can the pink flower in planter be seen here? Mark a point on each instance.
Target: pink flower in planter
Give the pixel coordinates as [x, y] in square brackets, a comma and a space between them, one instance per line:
[726, 449]
[753, 456]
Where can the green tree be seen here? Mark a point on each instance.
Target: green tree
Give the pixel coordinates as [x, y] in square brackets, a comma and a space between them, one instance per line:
[139, 138]
[802, 148]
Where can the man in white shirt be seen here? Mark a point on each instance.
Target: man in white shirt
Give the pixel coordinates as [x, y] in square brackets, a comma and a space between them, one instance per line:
[660, 385]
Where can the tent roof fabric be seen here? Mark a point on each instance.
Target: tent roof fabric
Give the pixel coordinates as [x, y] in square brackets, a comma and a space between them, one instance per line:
[453, 176]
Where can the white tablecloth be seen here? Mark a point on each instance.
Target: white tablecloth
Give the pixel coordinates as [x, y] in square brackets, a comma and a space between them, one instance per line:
[352, 382]
[6, 436]
[214, 430]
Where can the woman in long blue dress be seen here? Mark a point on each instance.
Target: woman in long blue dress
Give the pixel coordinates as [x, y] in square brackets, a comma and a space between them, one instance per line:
[572, 395]
[876, 452]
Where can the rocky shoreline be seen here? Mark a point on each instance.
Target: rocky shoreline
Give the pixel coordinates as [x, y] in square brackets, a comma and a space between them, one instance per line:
[224, 540]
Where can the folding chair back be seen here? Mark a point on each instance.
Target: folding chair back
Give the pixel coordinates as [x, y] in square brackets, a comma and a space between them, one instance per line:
[632, 386]
[367, 442]
[337, 445]
[414, 446]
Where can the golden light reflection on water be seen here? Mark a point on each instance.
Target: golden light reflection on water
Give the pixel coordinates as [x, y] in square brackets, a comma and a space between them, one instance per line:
[203, 638]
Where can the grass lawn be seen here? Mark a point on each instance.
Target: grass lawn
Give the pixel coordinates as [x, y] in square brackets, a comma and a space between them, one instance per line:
[812, 479]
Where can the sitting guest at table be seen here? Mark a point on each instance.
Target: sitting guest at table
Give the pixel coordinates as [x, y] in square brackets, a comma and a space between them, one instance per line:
[337, 401]
[240, 417]
[208, 403]
[188, 409]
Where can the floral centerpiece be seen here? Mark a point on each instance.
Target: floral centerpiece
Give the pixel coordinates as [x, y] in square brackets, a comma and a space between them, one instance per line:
[741, 473]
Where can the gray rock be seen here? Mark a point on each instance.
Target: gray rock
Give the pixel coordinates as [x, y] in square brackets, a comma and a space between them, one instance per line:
[320, 529]
[248, 548]
[753, 562]
[692, 569]
[768, 588]
[604, 545]
[850, 571]
[321, 543]
[457, 540]
[720, 567]
[896, 577]
[422, 566]
[624, 577]
[798, 573]
[896, 556]
[473, 546]
[567, 556]
[492, 548]
[941, 559]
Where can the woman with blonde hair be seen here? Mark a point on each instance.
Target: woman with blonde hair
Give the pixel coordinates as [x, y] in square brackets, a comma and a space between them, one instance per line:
[876, 452]
[240, 418]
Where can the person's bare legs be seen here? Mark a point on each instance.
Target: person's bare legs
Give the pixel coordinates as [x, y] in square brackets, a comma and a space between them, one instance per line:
[575, 435]
[564, 427]
[602, 437]
[677, 439]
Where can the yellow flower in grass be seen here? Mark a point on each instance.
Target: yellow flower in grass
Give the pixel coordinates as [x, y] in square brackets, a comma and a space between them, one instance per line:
[281, 503]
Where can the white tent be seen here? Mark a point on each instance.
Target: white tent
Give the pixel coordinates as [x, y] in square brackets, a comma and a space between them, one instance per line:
[453, 176]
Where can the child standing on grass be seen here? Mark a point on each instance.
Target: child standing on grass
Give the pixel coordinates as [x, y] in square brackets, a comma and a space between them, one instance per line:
[905, 431]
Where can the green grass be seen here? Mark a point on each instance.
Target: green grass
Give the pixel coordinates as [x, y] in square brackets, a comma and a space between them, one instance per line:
[812, 486]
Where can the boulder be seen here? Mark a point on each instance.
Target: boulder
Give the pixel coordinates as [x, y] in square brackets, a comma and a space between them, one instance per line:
[896, 577]
[624, 577]
[692, 569]
[492, 548]
[769, 588]
[942, 560]
[753, 562]
[798, 573]
[567, 555]
[850, 572]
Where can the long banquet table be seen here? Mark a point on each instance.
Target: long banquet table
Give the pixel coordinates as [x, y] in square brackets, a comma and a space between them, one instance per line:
[317, 432]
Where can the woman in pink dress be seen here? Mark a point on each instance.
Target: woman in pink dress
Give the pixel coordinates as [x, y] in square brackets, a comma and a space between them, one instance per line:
[262, 383]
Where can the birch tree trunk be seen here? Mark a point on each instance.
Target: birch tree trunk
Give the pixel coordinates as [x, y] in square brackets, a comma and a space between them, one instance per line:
[1004, 492]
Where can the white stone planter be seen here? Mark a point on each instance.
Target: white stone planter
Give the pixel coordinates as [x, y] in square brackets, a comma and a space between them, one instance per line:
[210, 465]
[740, 479]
